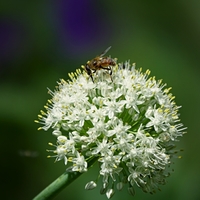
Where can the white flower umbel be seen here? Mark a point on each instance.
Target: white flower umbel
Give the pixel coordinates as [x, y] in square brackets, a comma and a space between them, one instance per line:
[130, 123]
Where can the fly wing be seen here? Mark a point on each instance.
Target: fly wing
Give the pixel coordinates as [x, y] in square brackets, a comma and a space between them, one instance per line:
[103, 53]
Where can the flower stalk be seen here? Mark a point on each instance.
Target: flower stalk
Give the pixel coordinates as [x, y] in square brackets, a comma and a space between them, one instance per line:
[60, 183]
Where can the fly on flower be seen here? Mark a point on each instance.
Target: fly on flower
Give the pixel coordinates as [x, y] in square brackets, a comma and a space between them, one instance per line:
[130, 127]
[98, 63]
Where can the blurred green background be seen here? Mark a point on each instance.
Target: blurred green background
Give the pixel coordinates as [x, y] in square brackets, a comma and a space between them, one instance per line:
[41, 41]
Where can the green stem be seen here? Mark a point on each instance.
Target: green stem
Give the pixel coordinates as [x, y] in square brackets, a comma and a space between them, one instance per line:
[60, 183]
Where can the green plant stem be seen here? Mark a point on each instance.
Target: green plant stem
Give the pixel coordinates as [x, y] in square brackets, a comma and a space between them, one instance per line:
[60, 183]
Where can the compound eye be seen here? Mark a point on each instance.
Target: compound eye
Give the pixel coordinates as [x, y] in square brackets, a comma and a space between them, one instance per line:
[94, 62]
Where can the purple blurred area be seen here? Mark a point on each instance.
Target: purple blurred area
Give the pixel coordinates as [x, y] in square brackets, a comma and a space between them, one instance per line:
[12, 41]
[82, 25]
